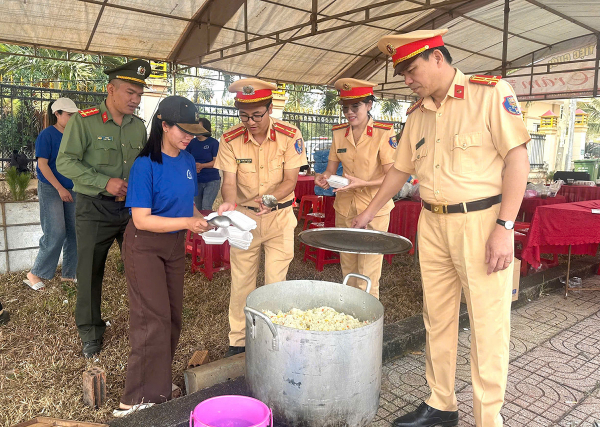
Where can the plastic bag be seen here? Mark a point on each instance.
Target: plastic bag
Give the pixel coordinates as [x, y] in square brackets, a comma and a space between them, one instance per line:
[415, 196]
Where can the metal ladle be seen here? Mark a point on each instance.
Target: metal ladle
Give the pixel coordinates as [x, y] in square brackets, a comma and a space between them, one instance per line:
[269, 201]
[220, 221]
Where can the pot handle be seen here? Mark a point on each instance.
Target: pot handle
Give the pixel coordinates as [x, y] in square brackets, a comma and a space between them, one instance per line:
[250, 313]
[358, 276]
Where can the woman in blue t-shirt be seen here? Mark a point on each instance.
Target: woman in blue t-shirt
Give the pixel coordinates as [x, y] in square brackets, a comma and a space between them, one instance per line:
[160, 193]
[57, 207]
[205, 149]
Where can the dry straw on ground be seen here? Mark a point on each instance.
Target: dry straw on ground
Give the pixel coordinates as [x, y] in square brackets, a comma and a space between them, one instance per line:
[40, 362]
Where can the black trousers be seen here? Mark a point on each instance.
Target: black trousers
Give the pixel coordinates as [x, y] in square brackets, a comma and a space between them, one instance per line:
[154, 266]
[97, 224]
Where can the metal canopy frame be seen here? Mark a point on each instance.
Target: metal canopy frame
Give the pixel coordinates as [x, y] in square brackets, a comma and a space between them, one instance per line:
[212, 20]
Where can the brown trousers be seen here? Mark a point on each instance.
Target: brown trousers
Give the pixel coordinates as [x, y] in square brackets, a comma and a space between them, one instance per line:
[154, 267]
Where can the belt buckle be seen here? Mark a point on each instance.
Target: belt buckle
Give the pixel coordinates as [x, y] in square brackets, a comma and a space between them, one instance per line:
[439, 209]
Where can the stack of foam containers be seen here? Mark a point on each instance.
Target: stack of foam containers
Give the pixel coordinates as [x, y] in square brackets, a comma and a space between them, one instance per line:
[320, 166]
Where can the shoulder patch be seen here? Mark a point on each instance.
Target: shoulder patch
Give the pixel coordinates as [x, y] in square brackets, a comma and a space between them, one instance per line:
[485, 80]
[383, 125]
[89, 112]
[340, 126]
[234, 133]
[414, 106]
[286, 130]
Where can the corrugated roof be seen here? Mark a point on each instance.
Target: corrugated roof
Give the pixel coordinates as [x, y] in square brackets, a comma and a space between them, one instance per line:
[288, 40]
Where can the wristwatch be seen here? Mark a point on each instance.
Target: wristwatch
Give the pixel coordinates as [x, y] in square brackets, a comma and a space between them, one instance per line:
[509, 225]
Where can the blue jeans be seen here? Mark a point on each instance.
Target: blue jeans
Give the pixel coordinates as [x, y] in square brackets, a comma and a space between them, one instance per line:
[58, 225]
[207, 193]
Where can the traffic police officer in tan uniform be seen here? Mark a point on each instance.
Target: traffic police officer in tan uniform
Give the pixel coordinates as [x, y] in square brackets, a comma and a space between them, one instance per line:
[261, 156]
[466, 142]
[97, 151]
[366, 149]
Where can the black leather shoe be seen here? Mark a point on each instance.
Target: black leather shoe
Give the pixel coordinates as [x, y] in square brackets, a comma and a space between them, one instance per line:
[91, 348]
[426, 416]
[234, 350]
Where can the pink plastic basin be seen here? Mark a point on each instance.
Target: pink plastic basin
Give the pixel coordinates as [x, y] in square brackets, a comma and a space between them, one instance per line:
[231, 411]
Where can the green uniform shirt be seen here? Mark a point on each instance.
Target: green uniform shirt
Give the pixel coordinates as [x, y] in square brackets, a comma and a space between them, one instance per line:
[94, 149]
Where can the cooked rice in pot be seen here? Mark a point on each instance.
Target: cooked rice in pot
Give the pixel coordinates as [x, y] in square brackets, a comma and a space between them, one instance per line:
[316, 319]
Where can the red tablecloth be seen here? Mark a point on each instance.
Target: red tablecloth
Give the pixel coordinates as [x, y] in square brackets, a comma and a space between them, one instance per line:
[528, 206]
[555, 227]
[404, 219]
[304, 186]
[579, 193]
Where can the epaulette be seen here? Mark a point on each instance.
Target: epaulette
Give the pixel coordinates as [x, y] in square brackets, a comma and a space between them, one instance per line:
[232, 134]
[340, 126]
[414, 106]
[89, 112]
[286, 130]
[383, 125]
[485, 80]
[138, 117]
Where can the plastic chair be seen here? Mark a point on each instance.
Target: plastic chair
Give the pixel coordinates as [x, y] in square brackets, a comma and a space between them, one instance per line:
[308, 203]
[208, 259]
[320, 257]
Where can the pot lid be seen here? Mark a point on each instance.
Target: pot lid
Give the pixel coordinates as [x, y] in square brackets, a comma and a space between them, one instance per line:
[355, 240]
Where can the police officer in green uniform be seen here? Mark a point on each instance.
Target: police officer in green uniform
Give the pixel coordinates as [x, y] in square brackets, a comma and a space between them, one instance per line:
[97, 151]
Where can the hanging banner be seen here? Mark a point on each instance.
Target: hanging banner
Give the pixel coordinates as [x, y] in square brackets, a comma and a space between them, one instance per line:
[543, 80]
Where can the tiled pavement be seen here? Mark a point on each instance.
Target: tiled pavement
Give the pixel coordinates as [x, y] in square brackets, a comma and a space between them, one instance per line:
[554, 373]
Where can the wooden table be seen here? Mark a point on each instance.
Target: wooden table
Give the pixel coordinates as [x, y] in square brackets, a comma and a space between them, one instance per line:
[528, 206]
[564, 228]
[579, 193]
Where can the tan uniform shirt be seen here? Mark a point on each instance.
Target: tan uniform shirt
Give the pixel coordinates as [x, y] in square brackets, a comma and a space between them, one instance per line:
[363, 159]
[259, 168]
[457, 151]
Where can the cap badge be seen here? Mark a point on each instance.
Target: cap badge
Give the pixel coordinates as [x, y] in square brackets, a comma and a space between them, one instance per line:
[141, 71]
[248, 90]
[391, 49]
[347, 86]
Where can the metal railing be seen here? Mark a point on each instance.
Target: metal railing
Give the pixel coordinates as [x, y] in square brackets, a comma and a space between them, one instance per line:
[535, 150]
[23, 116]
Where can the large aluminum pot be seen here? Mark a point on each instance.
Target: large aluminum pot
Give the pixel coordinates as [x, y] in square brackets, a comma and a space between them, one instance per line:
[312, 378]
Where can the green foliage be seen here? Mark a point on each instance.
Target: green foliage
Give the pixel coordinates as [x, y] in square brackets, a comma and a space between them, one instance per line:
[390, 107]
[17, 183]
[20, 128]
[329, 101]
[550, 176]
[53, 66]
[197, 89]
[592, 107]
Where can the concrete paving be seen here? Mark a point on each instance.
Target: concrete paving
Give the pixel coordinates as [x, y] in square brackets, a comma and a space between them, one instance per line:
[554, 373]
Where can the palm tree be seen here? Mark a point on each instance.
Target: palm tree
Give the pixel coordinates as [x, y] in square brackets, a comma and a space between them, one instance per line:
[593, 109]
[18, 63]
[390, 107]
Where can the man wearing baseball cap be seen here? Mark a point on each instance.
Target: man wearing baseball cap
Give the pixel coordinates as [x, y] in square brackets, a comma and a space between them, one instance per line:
[97, 150]
[261, 156]
[466, 142]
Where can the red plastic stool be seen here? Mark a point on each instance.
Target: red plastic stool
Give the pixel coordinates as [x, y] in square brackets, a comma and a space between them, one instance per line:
[312, 218]
[308, 203]
[209, 258]
[320, 257]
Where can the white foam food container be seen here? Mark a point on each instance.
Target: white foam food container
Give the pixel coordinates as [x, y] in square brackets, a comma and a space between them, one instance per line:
[337, 181]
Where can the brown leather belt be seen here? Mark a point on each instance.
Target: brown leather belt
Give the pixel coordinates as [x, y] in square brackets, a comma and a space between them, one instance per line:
[279, 206]
[477, 205]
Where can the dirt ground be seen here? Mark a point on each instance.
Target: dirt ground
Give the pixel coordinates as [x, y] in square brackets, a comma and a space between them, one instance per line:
[40, 361]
